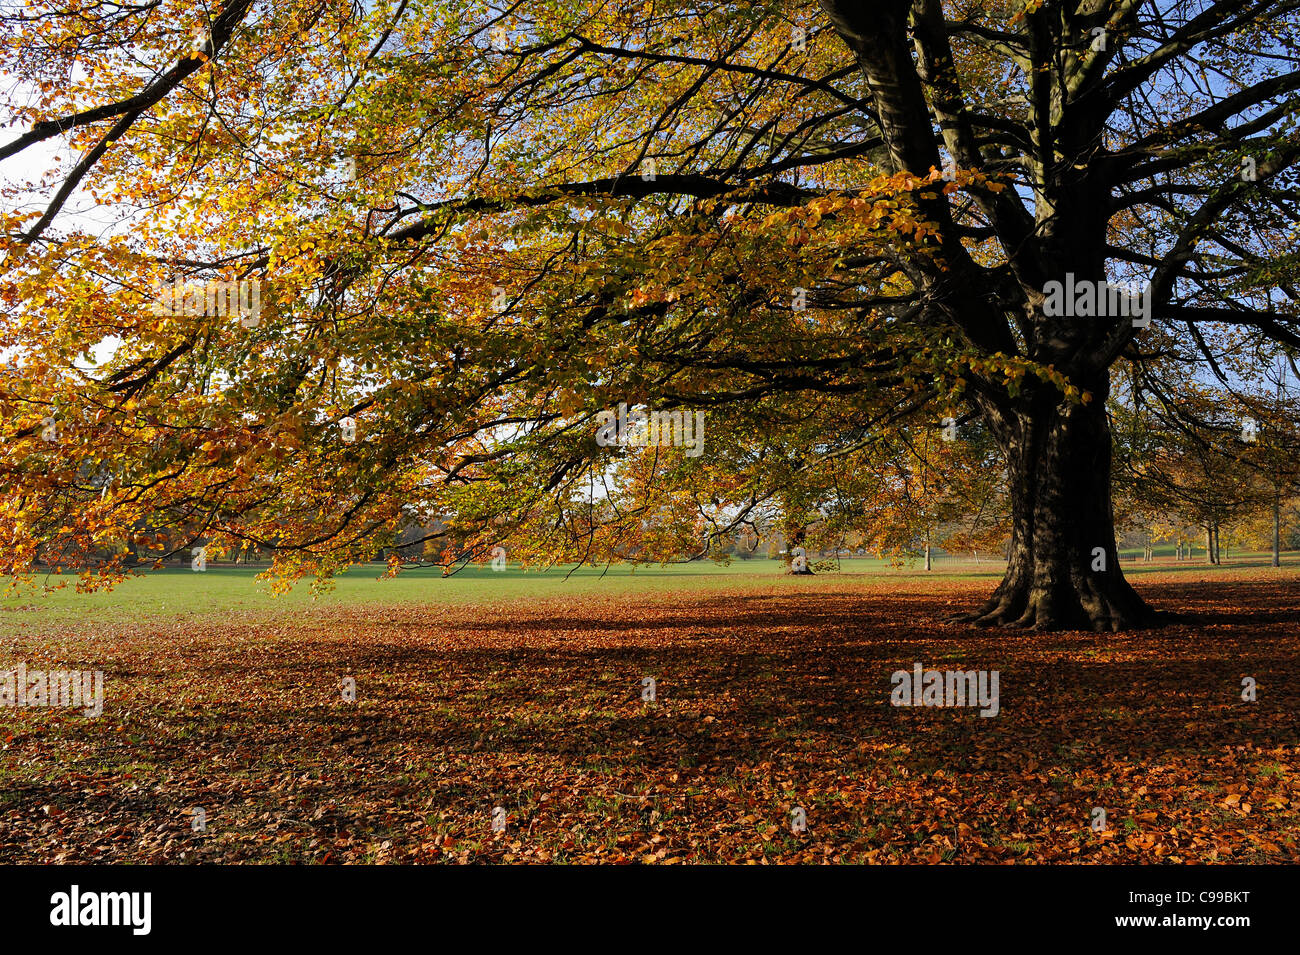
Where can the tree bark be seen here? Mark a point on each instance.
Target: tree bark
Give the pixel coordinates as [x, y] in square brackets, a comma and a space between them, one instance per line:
[1063, 572]
[1277, 527]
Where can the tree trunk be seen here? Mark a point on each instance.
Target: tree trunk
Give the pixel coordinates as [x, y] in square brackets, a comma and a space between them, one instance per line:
[1277, 527]
[1063, 572]
[1209, 544]
[927, 553]
[1218, 558]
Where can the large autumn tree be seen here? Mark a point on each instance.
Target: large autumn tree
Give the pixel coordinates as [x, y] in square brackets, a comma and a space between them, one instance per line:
[475, 227]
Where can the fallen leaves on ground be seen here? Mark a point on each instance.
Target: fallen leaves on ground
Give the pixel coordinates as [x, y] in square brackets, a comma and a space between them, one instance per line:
[766, 702]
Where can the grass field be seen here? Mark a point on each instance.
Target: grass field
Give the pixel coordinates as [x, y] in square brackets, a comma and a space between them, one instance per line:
[182, 592]
[523, 691]
[225, 589]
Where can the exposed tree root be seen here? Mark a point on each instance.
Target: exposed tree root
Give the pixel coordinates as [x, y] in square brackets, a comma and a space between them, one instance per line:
[1084, 603]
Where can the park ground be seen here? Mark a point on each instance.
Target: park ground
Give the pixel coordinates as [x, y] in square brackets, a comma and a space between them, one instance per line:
[523, 691]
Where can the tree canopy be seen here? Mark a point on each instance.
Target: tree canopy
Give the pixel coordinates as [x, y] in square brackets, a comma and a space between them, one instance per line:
[305, 274]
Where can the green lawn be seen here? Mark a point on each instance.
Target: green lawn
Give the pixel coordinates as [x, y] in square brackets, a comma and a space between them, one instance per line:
[181, 592]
